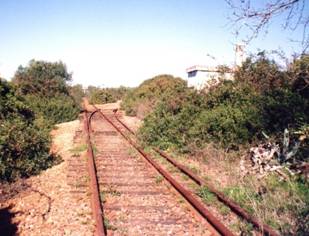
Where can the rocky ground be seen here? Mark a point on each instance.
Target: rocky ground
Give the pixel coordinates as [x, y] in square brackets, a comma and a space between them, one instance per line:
[45, 204]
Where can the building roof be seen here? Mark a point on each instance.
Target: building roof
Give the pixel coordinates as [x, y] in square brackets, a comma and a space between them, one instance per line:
[204, 68]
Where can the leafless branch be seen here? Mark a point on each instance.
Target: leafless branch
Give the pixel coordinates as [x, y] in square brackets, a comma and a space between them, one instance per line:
[257, 19]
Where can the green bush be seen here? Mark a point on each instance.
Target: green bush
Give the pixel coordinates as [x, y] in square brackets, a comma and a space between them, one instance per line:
[77, 93]
[102, 96]
[141, 100]
[299, 71]
[106, 95]
[262, 74]
[227, 115]
[171, 119]
[24, 147]
[262, 98]
[45, 87]
[53, 110]
[283, 108]
[46, 79]
[40, 98]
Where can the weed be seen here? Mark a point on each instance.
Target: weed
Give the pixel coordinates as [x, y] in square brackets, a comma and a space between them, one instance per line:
[244, 228]
[108, 225]
[112, 191]
[172, 169]
[82, 181]
[195, 187]
[194, 169]
[224, 210]
[208, 197]
[207, 178]
[102, 196]
[159, 179]
[78, 149]
[132, 152]
[94, 149]
[181, 201]
[185, 177]
[242, 195]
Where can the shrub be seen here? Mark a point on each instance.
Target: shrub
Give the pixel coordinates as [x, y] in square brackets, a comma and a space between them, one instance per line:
[45, 79]
[24, 147]
[106, 95]
[262, 98]
[283, 108]
[141, 100]
[44, 86]
[226, 115]
[53, 110]
[77, 93]
[299, 72]
[171, 119]
[102, 96]
[262, 73]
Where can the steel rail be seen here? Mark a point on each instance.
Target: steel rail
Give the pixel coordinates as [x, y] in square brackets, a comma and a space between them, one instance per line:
[124, 125]
[95, 196]
[221, 196]
[223, 230]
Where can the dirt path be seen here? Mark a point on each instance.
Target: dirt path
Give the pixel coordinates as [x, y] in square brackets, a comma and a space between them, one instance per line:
[45, 204]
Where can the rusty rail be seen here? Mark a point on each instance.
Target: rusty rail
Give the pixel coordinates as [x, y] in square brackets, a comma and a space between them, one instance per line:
[95, 196]
[227, 201]
[183, 191]
[124, 125]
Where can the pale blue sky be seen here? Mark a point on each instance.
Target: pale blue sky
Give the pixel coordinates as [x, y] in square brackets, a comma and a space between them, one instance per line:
[113, 42]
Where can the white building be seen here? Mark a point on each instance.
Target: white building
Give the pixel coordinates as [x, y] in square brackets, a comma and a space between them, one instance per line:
[203, 77]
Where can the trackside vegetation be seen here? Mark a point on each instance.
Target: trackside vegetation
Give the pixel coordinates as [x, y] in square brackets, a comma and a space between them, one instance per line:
[106, 95]
[261, 98]
[38, 97]
[24, 146]
[44, 85]
[223, 122]
[141, 100]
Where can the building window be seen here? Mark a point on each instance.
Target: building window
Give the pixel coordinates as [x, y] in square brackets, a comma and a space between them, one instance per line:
[192, 73]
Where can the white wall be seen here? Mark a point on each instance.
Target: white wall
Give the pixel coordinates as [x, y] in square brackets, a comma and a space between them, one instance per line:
[201, 79]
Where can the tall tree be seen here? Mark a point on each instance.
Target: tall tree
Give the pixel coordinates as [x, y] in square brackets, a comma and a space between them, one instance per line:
[42, 78]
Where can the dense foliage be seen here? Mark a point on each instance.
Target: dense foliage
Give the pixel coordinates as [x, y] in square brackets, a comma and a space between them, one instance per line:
[53, 110]
[106, 95]
[46, 79]
[24, 147]
[38, 97]
[141, 100]
[262, 98]
[77, 93]
[45, 87]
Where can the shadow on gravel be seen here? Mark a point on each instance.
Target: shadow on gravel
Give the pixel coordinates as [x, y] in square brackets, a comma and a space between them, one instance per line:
[7, 227]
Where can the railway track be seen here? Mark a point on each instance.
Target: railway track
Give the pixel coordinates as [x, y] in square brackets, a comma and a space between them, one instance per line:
[263, 228]
[126, 185]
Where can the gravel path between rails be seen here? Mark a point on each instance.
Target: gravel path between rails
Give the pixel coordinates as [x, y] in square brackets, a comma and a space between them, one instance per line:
[45, 204]
[137, 200]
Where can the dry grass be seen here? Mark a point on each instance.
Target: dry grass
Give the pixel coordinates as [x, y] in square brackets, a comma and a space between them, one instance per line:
[280, 204]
